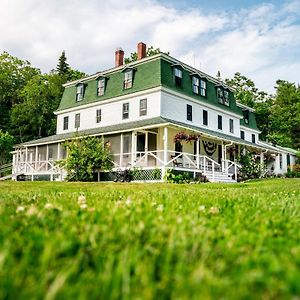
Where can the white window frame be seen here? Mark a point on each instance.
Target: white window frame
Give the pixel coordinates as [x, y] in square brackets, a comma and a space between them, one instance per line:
[143, 107]
[66, 123]
[98, 115]
[203, 87]
[101, 86]
[125, 111]
[195, 84]
[79, 92]
[77, 121]
[128, 76]
[231, 126]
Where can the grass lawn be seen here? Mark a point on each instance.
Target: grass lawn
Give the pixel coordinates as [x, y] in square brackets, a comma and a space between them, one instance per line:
[150, 241]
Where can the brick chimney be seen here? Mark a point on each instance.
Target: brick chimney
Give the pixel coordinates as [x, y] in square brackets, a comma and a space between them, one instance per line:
[119, 57]
[141, 50]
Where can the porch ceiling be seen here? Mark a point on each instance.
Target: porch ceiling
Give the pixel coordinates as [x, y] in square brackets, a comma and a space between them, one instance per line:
[219, 135]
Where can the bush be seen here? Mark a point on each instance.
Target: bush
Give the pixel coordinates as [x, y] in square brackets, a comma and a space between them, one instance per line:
[294, 172]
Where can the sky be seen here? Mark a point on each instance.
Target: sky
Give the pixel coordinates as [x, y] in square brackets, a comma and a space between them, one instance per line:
[260, 39]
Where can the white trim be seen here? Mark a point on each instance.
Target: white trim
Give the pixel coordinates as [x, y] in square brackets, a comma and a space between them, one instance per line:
[115, 99]
[244, 106]
[199, 101]
[249, 129]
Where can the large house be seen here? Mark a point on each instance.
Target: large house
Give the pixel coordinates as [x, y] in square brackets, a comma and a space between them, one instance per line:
[157, 113]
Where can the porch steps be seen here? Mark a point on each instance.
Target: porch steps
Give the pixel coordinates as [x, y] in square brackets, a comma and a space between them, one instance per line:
[219, 177]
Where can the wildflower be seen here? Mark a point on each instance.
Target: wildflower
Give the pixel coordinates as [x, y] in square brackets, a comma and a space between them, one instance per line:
[214, 210]
[83, 206]
[179, 220]
[32, 211]
[20, 209]
[128, 201]
[118, 203]
[81, 199]
[160, 207]
[48, 206]
[153, 204]
[201, 208]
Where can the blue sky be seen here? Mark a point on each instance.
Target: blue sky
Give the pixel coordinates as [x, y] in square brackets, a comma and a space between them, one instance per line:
[260, 39]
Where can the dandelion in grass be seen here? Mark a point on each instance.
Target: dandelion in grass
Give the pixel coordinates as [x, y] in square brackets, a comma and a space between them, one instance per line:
[201, 208]
[128, 201]
[214, 210]
[20, 209]
[160, 208]
[83, 206]
[48, 206]
[32, 211]
[81, 199]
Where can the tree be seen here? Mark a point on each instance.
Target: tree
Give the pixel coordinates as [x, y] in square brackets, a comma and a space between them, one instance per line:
[85, 156]
[62, 66]
[6, 146]
[14, 75]
[150, 52]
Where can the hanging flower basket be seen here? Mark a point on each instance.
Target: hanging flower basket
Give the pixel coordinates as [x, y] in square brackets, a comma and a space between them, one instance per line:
[182, 136]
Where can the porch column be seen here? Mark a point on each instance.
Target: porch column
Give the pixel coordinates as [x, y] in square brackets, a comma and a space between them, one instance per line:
[36, 157]
[198, 153]
[26, 158]
[133, 147]
[261, 156]
[165, 138]
[146, 148]
[47, 156]
[58, 151]
[223, 157]
[121, 150]
[277, 164]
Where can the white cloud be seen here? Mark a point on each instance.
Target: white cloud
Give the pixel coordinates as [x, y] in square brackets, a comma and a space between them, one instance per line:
[261, 42]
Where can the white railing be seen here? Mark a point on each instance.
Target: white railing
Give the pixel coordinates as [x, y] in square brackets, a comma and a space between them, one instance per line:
[231, 167]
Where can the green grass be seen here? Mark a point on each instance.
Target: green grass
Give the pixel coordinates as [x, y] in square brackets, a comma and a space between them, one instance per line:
[150, 241]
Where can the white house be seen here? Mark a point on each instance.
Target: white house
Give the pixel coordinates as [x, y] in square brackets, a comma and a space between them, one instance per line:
[144, 109]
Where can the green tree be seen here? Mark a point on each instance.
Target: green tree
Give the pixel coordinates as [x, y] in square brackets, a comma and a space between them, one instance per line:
[6, 146]
[85, 156]
[62, 66]
[14, 75]
[285, 115]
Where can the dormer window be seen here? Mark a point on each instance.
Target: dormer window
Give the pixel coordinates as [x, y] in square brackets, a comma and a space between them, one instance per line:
[246, 116]
[100, 86]
[195, 84]
[203, 87]
[178, 76]
[223, 95]
[128, 76]
[79, 92]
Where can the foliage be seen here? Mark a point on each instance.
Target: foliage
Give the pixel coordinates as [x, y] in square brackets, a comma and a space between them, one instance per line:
[150, 241]
[6, 145]
[85, 156]
[182, 136]
[250, 167]
[150, 52]
[175, 176]
[293, 172]
[14, 74]
[63, 67]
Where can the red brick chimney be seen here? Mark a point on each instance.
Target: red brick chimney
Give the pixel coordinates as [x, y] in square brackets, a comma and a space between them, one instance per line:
[141, 50]
[119, 57]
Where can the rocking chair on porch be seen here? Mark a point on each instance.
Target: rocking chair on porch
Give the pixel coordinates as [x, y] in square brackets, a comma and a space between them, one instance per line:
[177, 162]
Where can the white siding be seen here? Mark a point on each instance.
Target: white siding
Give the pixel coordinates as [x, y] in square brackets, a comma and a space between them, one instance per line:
[174, 108]
[248, 134]
[111, 113]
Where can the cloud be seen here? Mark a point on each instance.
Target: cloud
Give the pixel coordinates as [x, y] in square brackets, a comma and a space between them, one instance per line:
[254, 41]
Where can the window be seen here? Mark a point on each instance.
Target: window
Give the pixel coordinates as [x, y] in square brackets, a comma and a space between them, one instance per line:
[242, 134]
[98, 115]
[79, 92]
[231, 125]
[280, 161]
[195, 84]
[143, 107]
[246, 116]
[223, 96]
[66, 123]
[125, 110]
[178, 76]
[189, 112]
[253, 138]
[128, 79]
[178, 148]
[203, 87]
[205, 117]
[101, 86]
[77, 120]
[220, 125]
